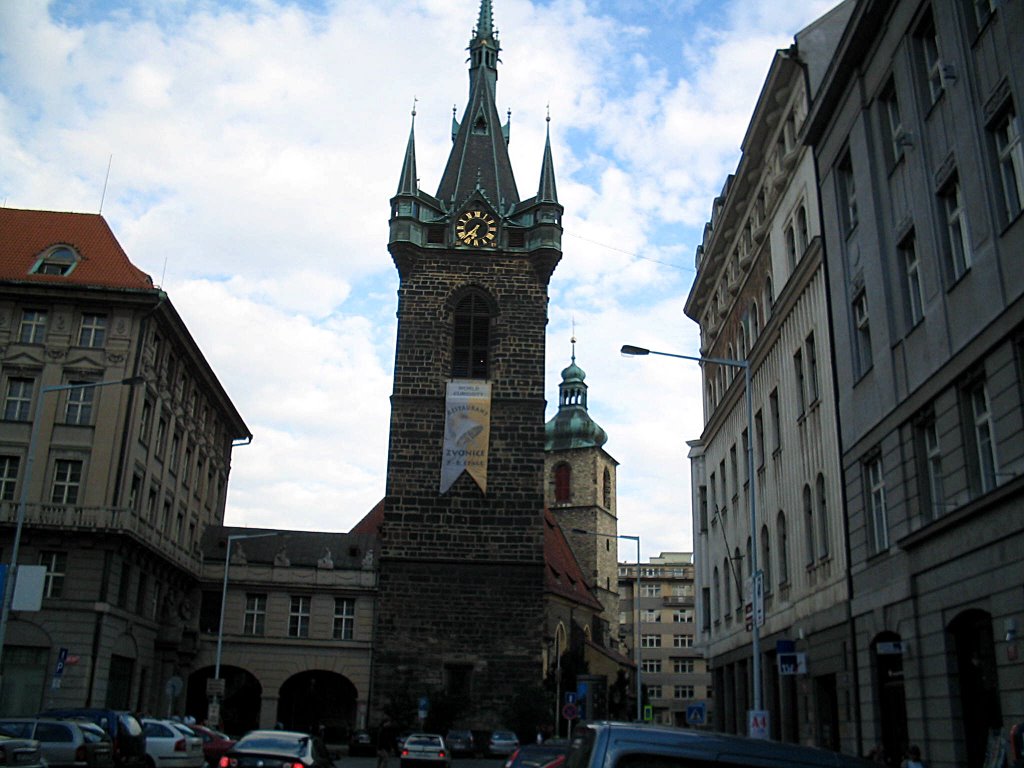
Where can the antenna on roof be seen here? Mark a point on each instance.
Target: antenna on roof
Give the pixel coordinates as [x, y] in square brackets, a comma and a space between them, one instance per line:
[105, 179]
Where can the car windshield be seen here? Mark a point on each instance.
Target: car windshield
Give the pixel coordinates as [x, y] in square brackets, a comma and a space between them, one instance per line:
[289, 745]
[504, 735]
[417, 740]
[183, 729]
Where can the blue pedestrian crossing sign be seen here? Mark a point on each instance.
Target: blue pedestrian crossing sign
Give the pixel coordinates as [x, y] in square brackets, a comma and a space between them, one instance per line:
[697, 714]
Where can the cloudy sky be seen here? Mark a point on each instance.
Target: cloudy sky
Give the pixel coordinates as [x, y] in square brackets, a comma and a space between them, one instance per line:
[253, 146]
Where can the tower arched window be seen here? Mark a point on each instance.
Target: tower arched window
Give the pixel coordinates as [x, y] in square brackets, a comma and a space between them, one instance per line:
[606, 489]
[563, 484]
[471, 339]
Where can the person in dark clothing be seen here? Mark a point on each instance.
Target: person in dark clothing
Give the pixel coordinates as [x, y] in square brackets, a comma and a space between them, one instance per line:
[385, 742]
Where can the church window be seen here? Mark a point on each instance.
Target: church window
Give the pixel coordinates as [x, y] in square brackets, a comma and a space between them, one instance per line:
[472, 338]
[563, 484]
[607, 489]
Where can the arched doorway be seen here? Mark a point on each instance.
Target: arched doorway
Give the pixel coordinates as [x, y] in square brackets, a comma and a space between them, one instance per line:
[974, 662]
[243, 695]
[318, 699]
[887, 655]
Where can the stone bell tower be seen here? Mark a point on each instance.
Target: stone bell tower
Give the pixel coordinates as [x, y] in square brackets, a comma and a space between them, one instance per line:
[462, 562]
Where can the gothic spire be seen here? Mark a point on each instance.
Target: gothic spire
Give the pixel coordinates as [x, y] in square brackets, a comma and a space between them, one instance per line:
[408, 183]
[546, 192]
[479, 161]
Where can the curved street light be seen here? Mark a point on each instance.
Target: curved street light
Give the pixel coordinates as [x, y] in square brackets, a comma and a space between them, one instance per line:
[755, 634]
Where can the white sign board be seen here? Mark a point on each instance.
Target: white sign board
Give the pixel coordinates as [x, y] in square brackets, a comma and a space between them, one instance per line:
[758, 724]
[759, 598]
[28, 588]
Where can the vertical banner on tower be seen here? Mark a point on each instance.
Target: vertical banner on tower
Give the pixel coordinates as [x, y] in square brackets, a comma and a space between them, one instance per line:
[467, 431]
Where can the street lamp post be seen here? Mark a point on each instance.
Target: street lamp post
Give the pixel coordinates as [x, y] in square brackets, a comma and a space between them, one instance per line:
[755, 634]
[214, 709]
[26, 480]
[636, 640]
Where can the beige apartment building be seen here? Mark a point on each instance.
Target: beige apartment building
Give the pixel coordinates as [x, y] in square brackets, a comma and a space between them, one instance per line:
[760, 297]
[675, 677]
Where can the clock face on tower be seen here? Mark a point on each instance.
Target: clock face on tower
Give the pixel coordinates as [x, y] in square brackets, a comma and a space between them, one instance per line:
[477, 229]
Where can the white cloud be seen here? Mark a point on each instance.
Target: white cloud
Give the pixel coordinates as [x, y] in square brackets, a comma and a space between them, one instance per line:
[255, 148]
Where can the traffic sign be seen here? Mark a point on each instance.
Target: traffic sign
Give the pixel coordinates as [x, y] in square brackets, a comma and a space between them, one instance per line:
[759, 598]
[697, 713]
[570, 711]
[570, 697]
[758, 724]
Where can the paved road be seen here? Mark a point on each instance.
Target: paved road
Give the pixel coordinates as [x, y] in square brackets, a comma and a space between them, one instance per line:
[460, 762]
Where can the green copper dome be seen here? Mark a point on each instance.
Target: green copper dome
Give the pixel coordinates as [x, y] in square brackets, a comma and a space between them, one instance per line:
[572, 426]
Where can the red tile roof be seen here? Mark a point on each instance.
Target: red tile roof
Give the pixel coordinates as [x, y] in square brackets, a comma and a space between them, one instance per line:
[562, 574]
[26, 235]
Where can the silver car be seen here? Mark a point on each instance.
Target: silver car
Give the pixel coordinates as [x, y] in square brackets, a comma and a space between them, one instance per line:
[20, 752]
[64, 743]
[421, 749]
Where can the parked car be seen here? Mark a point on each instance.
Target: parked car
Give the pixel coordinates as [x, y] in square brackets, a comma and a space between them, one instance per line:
[460, 742]
[24, 753]
[538, 756]
[64, 743]
[125, 732]
[259, 748]
[502, 743]
[215, 743]
[422, 749]
[615, 745]
[361, 743]
[172, 745]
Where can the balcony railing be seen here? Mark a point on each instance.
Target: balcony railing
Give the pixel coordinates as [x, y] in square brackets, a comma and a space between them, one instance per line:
[105, 520]
[678, 600]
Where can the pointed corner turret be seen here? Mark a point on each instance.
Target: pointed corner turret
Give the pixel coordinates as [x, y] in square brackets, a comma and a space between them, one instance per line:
[408, 183]
[546, 192]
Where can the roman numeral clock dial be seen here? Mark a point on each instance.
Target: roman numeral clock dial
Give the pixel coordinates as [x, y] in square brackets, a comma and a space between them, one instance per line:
[477, 229]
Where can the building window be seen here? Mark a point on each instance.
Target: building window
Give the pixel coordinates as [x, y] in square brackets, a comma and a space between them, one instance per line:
[471, 339]
[650, 590]
[892, 123]
[298, 617]
[652, 666]
[18, 402]
[791, 246]
[862, 335]
[682, 616]
[931, 64]
[33, 326]
[254, 620]
[606, 489]
[650, 615]
[958, 242]
[809, 552]
[813, 392]
[682, 691]
[56, 567]
[650, 641]
[683, 666]
[161, 437]
[1010, 156]
[682, 641]
[8, 477]
[726, 587]
[344, 618]
[878, 520]
[912, 278]
[847, 195]
[653, 691]
[986, 466]
[67, 478]
[983, 10]
[773, 412]
[140, 595]
[78, 408]
[803, 235]
[759, 437]
[135, 493]
[798, 369]
[563, 484]
[93, 331]
[822, 517]
[933, 496]
[766, 558]
[782, 533]
[60, 261]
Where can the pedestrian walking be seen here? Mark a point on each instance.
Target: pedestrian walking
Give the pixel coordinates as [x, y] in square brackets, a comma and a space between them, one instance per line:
[385, 742]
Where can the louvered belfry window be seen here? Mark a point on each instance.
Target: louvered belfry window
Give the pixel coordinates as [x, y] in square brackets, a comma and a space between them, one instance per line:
[472, 339]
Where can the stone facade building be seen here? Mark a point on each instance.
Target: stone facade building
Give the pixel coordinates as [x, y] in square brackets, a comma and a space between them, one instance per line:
[124, 478]
[917, 137]
[461, 573]
[760, 296]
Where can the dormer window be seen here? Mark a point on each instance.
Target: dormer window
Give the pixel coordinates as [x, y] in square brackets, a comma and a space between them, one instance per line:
[60, 260]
